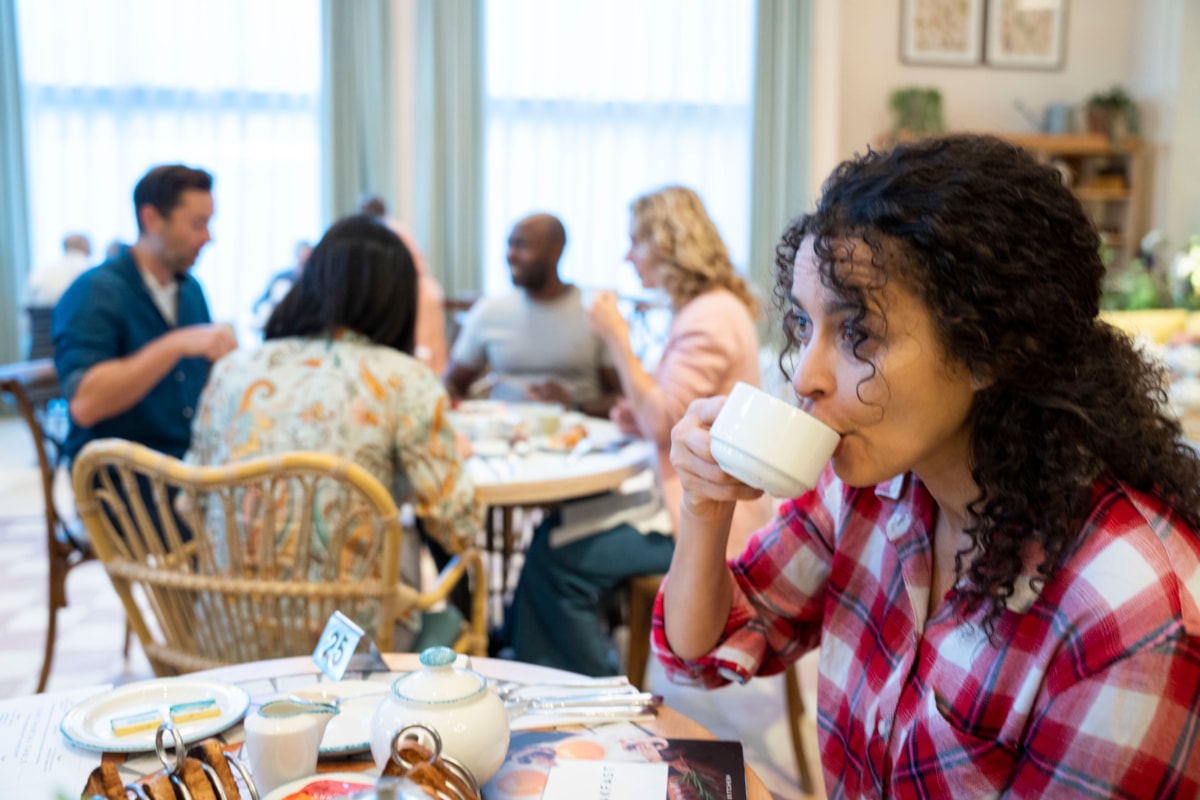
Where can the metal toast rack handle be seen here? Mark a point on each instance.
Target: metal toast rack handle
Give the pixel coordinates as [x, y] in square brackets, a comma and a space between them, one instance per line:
[173, 759]
[427, 737]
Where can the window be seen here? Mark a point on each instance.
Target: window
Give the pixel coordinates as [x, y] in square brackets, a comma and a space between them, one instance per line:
[113, 87]
[588, 105]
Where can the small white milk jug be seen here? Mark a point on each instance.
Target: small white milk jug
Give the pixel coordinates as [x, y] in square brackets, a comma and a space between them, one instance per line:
[283, 738]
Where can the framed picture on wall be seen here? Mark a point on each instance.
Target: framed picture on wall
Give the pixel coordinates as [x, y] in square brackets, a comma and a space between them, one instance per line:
[1026, 34]
[941, 32]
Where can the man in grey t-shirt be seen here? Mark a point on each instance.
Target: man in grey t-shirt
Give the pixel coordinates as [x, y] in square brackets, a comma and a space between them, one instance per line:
[536, 340]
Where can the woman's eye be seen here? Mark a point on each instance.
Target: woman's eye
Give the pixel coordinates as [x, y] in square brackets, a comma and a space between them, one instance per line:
[801, 323]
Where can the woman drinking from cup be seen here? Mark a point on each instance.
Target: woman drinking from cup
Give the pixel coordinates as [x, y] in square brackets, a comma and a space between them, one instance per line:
[712, 344]
[1000, 565]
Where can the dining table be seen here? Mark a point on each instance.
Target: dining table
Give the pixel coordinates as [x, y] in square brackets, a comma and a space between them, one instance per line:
[267, 680]
[517, 468]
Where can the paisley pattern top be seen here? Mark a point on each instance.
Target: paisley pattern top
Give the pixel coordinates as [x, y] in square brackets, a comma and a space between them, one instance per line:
[371, 404]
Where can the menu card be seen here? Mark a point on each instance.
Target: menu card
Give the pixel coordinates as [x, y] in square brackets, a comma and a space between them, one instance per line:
[33, 754]
[549, 765]
[605, 780]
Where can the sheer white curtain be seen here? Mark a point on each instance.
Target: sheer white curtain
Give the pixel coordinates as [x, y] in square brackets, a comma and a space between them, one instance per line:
[588, 105]
[113, 87]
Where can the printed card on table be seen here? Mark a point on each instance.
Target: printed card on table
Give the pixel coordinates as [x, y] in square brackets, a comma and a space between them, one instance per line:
[605, 780]
[694, 769]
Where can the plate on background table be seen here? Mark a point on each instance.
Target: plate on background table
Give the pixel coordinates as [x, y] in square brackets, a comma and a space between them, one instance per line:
[349, 731]
[89, 724]
[327, 786]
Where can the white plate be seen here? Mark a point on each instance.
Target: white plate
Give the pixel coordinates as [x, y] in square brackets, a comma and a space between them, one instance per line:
[490, 448]
[358, 780]
[350, 730]
[89, 724]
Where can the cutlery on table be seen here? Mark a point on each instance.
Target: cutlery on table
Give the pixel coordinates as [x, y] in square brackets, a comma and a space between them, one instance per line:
[584, 701]
[510, 689]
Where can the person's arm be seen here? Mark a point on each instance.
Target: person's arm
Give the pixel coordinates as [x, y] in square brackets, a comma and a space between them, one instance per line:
[693, 364]
[555, 392]
[431, 325]
[610, 388]
[459, 377]
[606, 320]
[699, 595]
[468, 357]
[114, 386]
[716, 621]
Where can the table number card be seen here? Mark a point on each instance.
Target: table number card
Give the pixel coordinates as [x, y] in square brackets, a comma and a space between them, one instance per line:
[335, 651]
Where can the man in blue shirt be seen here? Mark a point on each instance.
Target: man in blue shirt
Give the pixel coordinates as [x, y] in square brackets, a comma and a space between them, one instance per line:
[133, 338]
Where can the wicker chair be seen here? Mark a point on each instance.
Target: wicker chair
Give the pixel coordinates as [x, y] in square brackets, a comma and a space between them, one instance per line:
[224, 565]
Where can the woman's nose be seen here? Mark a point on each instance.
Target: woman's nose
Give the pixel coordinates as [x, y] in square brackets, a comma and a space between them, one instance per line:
[812, 375]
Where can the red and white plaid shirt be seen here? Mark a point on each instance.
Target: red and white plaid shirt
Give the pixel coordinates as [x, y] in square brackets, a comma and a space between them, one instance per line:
[1093, 691]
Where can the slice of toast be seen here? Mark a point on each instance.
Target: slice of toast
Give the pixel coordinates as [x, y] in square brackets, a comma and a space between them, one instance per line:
[159, 788]
[210, 752]
[195, 779]
[106, 782]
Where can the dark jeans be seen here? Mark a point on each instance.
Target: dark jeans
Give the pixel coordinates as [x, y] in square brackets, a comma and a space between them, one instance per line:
[554, 617]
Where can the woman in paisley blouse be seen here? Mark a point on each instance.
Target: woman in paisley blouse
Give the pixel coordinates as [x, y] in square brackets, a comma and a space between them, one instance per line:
[336, 374]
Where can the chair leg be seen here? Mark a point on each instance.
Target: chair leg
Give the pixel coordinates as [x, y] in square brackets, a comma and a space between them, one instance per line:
[506, 544]
[48, 656]
[642, 592]
[795, 714]
[56, 599]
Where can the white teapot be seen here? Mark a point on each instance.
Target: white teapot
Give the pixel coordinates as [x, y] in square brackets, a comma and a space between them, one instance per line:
[470, 720]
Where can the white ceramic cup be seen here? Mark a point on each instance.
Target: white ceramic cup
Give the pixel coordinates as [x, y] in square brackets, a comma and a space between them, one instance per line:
[770, 445]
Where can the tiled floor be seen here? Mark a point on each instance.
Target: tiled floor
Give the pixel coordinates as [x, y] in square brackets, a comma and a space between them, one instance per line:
[91, 630]
[91, 634]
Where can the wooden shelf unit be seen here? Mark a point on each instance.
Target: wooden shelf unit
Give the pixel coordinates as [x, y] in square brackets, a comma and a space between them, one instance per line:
[1105, 175]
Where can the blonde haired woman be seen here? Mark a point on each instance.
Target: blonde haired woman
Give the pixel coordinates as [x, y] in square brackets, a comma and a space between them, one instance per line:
[712, 344]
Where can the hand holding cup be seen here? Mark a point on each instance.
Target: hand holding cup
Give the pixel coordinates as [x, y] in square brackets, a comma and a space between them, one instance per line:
[768, 444]
[707, 490]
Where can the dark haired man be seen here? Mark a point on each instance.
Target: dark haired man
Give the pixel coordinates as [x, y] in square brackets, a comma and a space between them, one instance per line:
[133, 338]
[537, 340]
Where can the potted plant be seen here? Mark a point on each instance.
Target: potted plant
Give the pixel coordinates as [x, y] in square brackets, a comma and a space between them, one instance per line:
[1113, 113]
[916, 113]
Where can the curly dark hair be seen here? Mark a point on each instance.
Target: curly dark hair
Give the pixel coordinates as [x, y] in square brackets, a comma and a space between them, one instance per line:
[359, 276]
[1007, 262]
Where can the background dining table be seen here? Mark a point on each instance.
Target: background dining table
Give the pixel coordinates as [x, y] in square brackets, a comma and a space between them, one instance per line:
[525, 475]
[266, 680]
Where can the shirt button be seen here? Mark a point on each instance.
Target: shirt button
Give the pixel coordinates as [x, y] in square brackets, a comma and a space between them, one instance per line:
[179, 376]
[187, 412]
[898, 524]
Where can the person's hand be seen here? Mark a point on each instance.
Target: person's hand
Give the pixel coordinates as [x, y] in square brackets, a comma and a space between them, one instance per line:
[622, 415]
[606, 320]
[206, 341]
[707, 491]
[550, 392]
